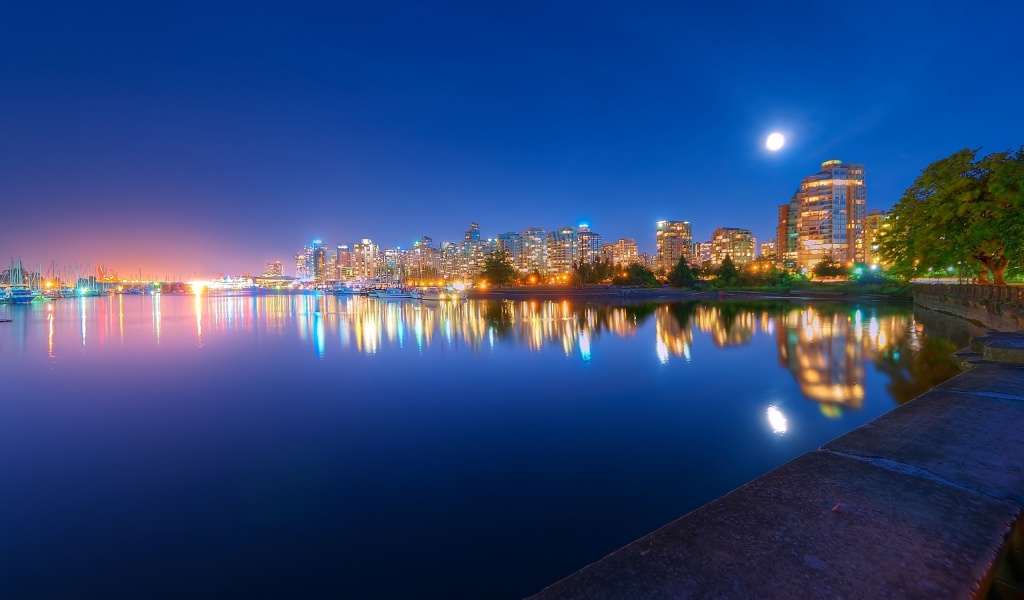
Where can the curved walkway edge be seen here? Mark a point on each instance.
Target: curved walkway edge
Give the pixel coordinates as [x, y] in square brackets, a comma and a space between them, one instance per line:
[923, 502]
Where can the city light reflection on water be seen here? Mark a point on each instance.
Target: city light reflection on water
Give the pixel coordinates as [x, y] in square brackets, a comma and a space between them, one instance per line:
[825, 348]
[407, 442]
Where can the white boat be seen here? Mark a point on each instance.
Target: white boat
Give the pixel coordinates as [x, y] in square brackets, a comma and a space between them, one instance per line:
[391, 293]
[20, 294]
[347, 288]
[437, 294]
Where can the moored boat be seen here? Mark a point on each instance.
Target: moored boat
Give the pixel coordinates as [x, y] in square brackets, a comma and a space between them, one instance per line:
[348, 288]
[20, 294]
[438, 294]
[391, 293]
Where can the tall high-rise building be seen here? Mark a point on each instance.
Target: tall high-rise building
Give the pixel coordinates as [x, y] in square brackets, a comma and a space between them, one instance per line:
[511, 244]
[874, 224]
[562, 250]
[303, 263]
[701, 253]
[473, 251]
[535, 249]
[733, 242]
[316, 261]
[830, 221]
[345, 262]
[622, 253]
[588, 245]
[273, 269]
[787, 233]
[365, 258]
[423, 260]
[673, 241]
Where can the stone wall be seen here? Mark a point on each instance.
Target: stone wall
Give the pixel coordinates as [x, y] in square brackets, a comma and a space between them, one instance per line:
[995, 307]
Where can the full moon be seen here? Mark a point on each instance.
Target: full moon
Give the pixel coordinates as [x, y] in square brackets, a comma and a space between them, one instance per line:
[775, 141]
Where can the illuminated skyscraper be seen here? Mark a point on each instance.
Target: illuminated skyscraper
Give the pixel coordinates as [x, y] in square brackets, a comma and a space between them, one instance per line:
[673, 241]
[562, 250]
[874, 224]
[588, 245]
[535, 249]
[273, 269]
[473, 251]
[701, 253]
[622, 253]
[732, 242]
[786, 233]
[301, 269]
[316, 261]
[365, 258]
[345, 262]
[830, 221]
[511, 244]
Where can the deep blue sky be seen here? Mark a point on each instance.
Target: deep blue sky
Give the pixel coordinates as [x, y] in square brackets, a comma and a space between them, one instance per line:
[213, 136]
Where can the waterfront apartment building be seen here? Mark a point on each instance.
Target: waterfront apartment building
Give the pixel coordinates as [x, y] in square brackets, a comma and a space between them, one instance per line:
[300, 265]
[562, 249]
[874, 224]
[511, 244]
[622, 253]
[588, 245]
[312, 262]
[787, 233]
[535, 249]
[673, 241]
[473, 251]
[830, 217]
[769, 250]
[734, 242]
[365, 258]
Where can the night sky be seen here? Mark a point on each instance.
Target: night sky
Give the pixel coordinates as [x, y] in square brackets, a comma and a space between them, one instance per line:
[211, 137]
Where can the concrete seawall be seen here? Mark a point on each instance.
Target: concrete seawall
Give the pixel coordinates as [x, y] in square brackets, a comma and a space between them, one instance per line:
[997, 307]
[923, 502]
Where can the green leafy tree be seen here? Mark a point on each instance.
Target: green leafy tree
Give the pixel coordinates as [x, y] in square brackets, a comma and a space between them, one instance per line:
[727, 273]
[682, 275]
[590, 272]
[498, 269]
[636, 274]
[961, 209]
[828, 267]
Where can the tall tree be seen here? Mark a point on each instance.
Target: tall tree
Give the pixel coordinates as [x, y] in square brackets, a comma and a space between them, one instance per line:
[727, 273]
[682, 275]
[498, 269]
[961, 209]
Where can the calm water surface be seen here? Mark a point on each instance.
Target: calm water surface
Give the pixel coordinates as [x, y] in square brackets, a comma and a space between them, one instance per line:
[307, 446]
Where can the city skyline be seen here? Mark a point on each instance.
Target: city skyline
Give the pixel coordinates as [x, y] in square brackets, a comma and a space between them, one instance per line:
[172, 140]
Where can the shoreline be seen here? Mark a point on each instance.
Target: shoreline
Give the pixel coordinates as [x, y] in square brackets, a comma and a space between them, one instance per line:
[622, 293]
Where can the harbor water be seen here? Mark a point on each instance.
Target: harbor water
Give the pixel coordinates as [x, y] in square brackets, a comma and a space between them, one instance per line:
[313, 446]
